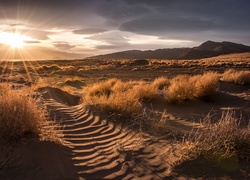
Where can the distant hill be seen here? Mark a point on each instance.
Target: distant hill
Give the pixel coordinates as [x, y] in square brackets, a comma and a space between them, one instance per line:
[36, 53]
[206, 49]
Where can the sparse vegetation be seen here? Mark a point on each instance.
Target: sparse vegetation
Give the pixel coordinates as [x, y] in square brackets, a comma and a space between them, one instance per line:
[19, 115]
[128, 97]
[161, 82]
[115, 95]
[52, 67]
[223, 139]
[184, 87]
[237, 77]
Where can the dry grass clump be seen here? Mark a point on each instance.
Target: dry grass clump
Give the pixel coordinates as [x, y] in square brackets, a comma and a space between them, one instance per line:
[102, 89]
[19, 115]
[223, 139]
[115, 95]
[53, 67]
[144, 91]
[237, 77]
[184, 87]
[161, 82]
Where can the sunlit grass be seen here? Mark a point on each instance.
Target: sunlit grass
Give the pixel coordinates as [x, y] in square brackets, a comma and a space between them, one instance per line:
[227, 137]
[184, 87]
[19, 115]
[236, 77]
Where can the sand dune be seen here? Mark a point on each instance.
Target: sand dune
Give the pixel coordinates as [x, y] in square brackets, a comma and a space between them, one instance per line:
[97, 148]
[104, 150]
[94, 148]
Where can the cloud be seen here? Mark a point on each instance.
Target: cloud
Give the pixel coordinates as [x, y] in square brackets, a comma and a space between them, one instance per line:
[63, 45]
[161, 24]
[110, 39]
[32, 42]
[89, 31]
[38, 34]
[108, 22]
[30, 31]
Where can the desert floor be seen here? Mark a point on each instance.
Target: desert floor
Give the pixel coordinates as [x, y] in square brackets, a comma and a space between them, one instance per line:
[98, 145]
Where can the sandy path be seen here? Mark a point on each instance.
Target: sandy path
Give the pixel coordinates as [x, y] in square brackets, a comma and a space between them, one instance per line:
[103, 150]
[94, 148]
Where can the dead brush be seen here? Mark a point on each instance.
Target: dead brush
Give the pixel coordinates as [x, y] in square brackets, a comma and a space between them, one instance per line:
[236, 77]
[223, 139]
[52, 67]
[21, 117]
[161, 82]
[144, 91]
[102, 89]
[184, 87]
[117, 96]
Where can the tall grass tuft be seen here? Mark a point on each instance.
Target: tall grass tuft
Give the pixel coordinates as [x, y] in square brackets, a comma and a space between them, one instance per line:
[118, 96]
[184, 87]
[237, 77]
[223, 139]
[161, 82]
[19, 115]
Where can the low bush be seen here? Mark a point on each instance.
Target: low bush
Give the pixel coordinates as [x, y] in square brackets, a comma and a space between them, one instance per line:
[19, 115]
[184, 87]
[115, 95]
[223, 139]
[236, 77]
[161, 82]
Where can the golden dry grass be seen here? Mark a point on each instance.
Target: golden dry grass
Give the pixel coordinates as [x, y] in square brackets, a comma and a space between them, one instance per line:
[19, 115]
[223, 139]
[161, 82]
[184, 87]
[52, 67]
[115, 95]
[129, 97]
[237, 77]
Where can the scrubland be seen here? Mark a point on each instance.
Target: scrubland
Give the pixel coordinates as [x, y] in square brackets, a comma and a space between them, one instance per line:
[19, 115]
[200, 106]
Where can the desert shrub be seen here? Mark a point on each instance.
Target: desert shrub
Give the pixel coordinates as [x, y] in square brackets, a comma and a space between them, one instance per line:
[103, 88]
[181, 88]
[206, 84]
[237, 77]
[115, 95]
[19, 115]
[223, 139]
[144, 91]
[161, 82]
[121, 102]
[184, 87]
[53, 67]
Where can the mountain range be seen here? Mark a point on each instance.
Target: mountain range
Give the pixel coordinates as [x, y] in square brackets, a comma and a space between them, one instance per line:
[205, 50]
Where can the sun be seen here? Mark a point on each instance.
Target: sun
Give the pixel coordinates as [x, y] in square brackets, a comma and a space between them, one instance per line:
[13, 39]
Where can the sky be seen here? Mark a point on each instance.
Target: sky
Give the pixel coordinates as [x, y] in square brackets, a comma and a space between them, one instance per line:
[95, 27]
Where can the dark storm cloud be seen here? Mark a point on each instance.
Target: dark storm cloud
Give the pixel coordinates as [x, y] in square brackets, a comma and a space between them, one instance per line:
[89, 31]
[173, 18]
[63, 45]
[78, 12]
[193, 20]
[160, 24]
[49, 13]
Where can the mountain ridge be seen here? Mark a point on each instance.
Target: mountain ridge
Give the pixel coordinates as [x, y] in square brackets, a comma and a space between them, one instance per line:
[205, 50]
